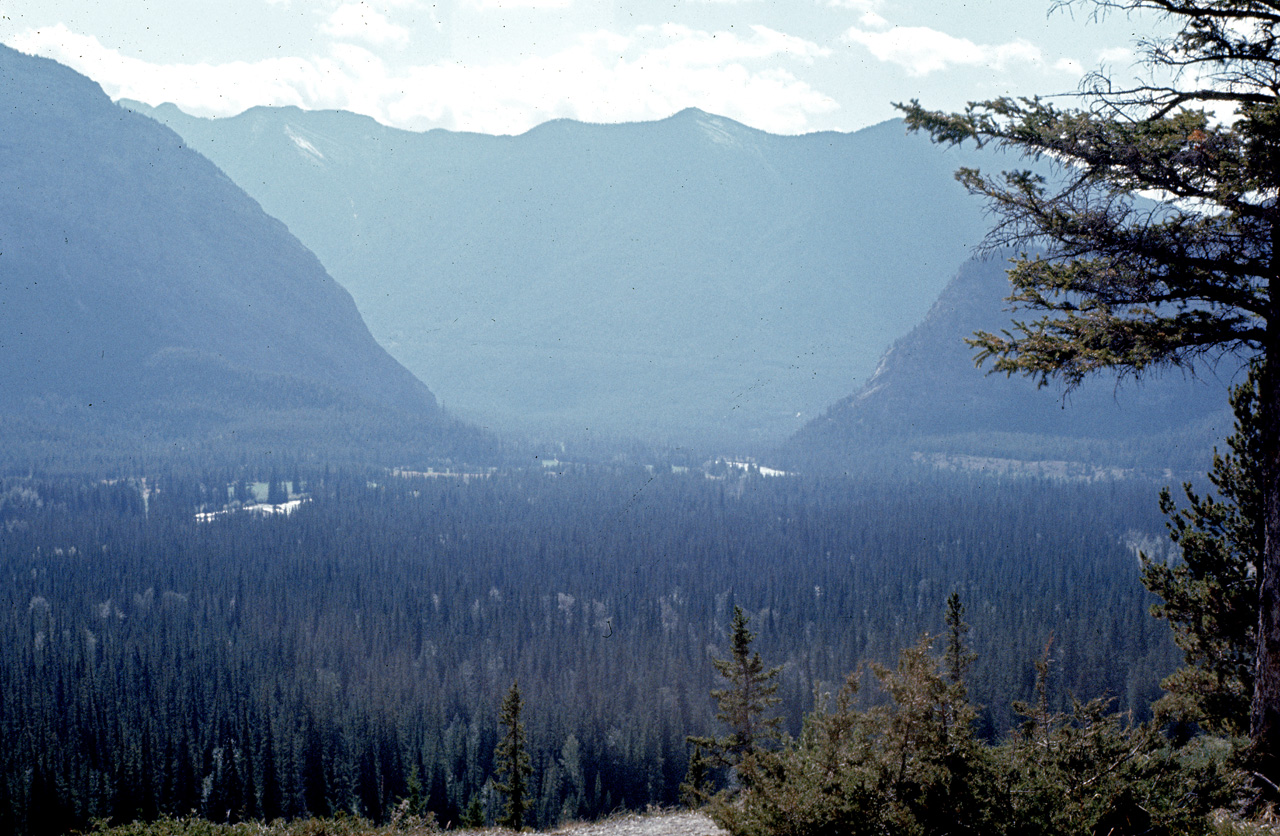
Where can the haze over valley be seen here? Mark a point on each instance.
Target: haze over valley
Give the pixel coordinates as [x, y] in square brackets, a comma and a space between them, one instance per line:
[690, 281]
[325, 443]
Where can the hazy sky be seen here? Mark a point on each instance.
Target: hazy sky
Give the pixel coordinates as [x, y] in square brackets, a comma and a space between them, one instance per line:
[502, 66]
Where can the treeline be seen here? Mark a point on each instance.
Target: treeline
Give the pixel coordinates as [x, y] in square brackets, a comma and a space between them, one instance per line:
[354, 653]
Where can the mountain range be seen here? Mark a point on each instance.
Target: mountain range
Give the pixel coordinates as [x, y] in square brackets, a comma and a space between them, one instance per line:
[691, 280]
[926, 400]
[147, 301]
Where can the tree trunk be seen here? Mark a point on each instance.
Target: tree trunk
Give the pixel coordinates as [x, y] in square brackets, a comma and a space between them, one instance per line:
[1264, 716]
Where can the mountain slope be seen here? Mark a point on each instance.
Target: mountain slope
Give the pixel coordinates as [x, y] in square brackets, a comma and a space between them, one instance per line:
[927, 397]
[688, 280]
[143, 294]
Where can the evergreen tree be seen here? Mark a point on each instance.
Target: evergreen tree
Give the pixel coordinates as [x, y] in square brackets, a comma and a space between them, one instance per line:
[742, 705]
[512, 757]
[906, 766]
[959, 658]
[1210, 596]
[277, 494]
[1127, 285]
[575, 779]
[957, 661]
[473, 816]
[321, 663]
[693, 791]
[417, 802]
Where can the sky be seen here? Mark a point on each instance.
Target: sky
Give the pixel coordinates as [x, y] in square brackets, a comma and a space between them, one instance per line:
[504, 66]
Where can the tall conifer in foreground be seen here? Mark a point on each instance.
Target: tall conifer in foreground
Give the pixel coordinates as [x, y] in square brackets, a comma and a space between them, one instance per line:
[743, 705]
[1184, 272]
[512, 756]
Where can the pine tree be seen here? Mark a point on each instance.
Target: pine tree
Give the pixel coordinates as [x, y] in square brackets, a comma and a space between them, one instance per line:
[693, 790]
[1134, 284]
[959, 658]
[743, 705]
[473, 816]
[276, 493]
[417, 802]
[1210, 596]
[956, 662]
[513, 762]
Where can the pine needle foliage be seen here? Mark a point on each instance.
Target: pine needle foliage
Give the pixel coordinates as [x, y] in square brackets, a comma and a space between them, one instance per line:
[473, 816]
[914, 766]
[1210, 595]
[697, 779]
[1156, 236]
[959, 658]
[744, 704]
[512, 760]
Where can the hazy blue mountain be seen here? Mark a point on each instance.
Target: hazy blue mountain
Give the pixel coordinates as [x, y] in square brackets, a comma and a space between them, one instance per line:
[926, 397]
[690, 280]
[144, 293]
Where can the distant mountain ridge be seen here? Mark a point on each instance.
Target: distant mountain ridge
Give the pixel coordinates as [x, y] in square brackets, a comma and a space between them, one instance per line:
[926, 397]
[690, 280]
[144, 295]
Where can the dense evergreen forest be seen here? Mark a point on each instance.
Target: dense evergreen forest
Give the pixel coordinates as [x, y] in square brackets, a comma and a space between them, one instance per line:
[354, 652]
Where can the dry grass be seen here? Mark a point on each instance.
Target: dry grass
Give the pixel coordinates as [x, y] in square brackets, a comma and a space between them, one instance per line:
[652, 823]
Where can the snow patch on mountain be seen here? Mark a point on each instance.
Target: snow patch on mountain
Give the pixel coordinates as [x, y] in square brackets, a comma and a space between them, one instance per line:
[303, 145]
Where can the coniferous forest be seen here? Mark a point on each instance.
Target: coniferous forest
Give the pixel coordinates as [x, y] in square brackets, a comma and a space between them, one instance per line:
[159, 658]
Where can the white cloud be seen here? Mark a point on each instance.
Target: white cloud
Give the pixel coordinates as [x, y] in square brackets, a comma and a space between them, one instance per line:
[921, 50]
[1117, 55]
[603, 77]
[872, 20]
[1069, 65]
[695, 47]
[361, 21]
[857, 5]
[523, 4]
[336, 80]
[606, 77]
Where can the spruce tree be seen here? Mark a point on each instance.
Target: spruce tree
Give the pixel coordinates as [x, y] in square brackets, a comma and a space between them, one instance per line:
[276, 492]
[473, 816]
[417, 801]
[743, 705]
[693, 790]
[1155, 236]
[956, 663]
[513, 762]
[1210, 595]
[959, 658]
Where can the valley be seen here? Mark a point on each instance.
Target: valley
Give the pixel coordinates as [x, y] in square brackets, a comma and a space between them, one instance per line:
[318, 437]
[250, 666]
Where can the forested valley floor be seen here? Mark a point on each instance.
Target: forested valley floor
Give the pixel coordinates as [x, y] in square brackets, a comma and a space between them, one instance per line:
[352, 654]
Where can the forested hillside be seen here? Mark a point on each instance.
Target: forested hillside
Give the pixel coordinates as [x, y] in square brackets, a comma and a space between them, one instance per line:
[332, 659]
[926, 398]
[149, 307]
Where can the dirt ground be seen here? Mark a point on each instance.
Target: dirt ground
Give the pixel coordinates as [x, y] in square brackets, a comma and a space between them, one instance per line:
[666, 824]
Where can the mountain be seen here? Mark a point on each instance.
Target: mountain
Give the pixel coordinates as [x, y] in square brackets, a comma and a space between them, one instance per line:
[926, 399]
[147, 302]
[690, 280]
